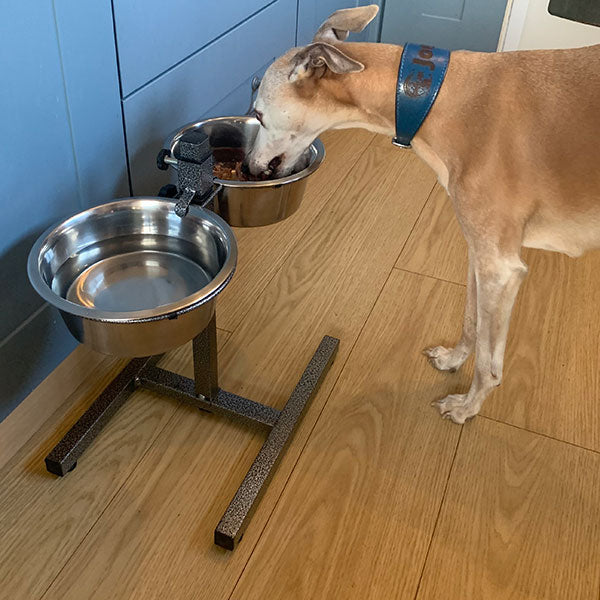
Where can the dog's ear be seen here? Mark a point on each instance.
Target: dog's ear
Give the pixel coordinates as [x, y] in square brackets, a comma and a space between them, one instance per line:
[316, 58]
[341, 22]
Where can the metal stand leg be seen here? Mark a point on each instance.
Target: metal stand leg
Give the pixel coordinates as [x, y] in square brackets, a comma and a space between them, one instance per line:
[231, 528]
[205, 361]
[63, 457]
[203, 392]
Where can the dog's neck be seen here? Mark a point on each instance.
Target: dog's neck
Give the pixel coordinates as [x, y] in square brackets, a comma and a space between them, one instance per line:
[367, 100]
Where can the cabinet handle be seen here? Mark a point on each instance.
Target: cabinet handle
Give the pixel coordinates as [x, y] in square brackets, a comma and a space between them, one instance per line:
[254, 84]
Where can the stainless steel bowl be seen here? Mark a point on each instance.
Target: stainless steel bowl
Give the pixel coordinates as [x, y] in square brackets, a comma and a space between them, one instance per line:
[130, 278]
[251, 203]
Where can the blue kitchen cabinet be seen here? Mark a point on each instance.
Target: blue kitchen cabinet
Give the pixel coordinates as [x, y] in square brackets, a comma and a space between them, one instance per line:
[61, 130]
[154, 35]
[312, 13]
[91, 81]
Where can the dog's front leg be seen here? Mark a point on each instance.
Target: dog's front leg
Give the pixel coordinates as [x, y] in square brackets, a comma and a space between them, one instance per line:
[498, 278]
[452, 359]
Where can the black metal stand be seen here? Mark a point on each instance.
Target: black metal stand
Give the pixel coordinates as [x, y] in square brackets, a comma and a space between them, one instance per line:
[203, 392]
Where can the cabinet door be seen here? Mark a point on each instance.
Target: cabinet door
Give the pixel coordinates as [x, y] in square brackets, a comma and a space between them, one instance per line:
[312, 13]
[39, 184]
[210, 83]
[154, 35]
[62, 132]
[451, 24]
[89, 60]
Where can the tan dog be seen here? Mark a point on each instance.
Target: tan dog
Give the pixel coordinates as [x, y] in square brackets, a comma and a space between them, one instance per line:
[513, 137]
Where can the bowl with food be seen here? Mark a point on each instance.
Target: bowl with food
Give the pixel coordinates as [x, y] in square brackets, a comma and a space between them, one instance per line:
[245, 200]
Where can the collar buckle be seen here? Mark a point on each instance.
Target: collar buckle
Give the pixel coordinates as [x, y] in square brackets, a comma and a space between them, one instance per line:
[399, 144]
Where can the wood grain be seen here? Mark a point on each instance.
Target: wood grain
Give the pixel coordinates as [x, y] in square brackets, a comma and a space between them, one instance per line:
[520, 520]
[83, 372]
[43, 517]
[356, 517]
[155, 539]
[262, 250]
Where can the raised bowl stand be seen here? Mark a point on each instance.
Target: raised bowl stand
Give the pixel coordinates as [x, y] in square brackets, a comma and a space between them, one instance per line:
[203, 391]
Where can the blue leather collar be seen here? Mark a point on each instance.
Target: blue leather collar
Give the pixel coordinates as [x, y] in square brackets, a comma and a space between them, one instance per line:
[420, 76]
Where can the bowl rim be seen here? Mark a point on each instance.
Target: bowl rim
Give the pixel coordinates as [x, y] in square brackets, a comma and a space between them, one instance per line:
[317, 149]
[165, 311]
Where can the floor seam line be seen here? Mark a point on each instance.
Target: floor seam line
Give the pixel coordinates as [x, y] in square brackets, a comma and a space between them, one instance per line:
[308, 438]
[323, 207]
[544, 435]
[335, 384]
[415, 224]
[437, 518]
[301, 237]
[462, 285]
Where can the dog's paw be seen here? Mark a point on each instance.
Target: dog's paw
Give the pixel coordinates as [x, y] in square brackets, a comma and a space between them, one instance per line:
[456, 408]
[445, 359]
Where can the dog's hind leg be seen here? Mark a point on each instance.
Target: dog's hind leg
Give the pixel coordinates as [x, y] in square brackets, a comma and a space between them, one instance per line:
[498, 276]
[451, 359]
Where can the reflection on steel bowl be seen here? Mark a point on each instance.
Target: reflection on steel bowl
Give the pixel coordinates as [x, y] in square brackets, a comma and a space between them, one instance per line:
[130, 278]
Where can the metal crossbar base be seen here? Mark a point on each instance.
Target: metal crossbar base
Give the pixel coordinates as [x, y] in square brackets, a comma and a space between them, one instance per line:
[203, 392]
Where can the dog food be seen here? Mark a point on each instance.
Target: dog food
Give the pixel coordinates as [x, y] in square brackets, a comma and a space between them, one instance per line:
[228, 165]
[230, 170]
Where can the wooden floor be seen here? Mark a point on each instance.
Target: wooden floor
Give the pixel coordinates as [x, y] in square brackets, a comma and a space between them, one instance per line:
[377, 496]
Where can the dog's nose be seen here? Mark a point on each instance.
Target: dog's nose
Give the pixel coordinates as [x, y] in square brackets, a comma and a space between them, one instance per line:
[245, 168]
[274, 165]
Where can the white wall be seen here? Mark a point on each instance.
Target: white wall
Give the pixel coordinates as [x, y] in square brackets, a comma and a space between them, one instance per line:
[529, 25]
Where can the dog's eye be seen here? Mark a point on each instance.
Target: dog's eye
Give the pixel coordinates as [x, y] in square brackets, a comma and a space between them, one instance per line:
[259, 116]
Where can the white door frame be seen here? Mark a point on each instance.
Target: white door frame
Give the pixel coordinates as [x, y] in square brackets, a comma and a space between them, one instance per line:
[514, 21]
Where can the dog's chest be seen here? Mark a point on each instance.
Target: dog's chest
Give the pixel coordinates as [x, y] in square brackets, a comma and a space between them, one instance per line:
[571, 236]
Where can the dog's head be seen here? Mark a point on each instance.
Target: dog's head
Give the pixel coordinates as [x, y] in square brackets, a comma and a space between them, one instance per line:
[293, 104]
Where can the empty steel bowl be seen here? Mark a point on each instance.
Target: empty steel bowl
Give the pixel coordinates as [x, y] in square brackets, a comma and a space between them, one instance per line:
[130, 278]
[250, 203]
